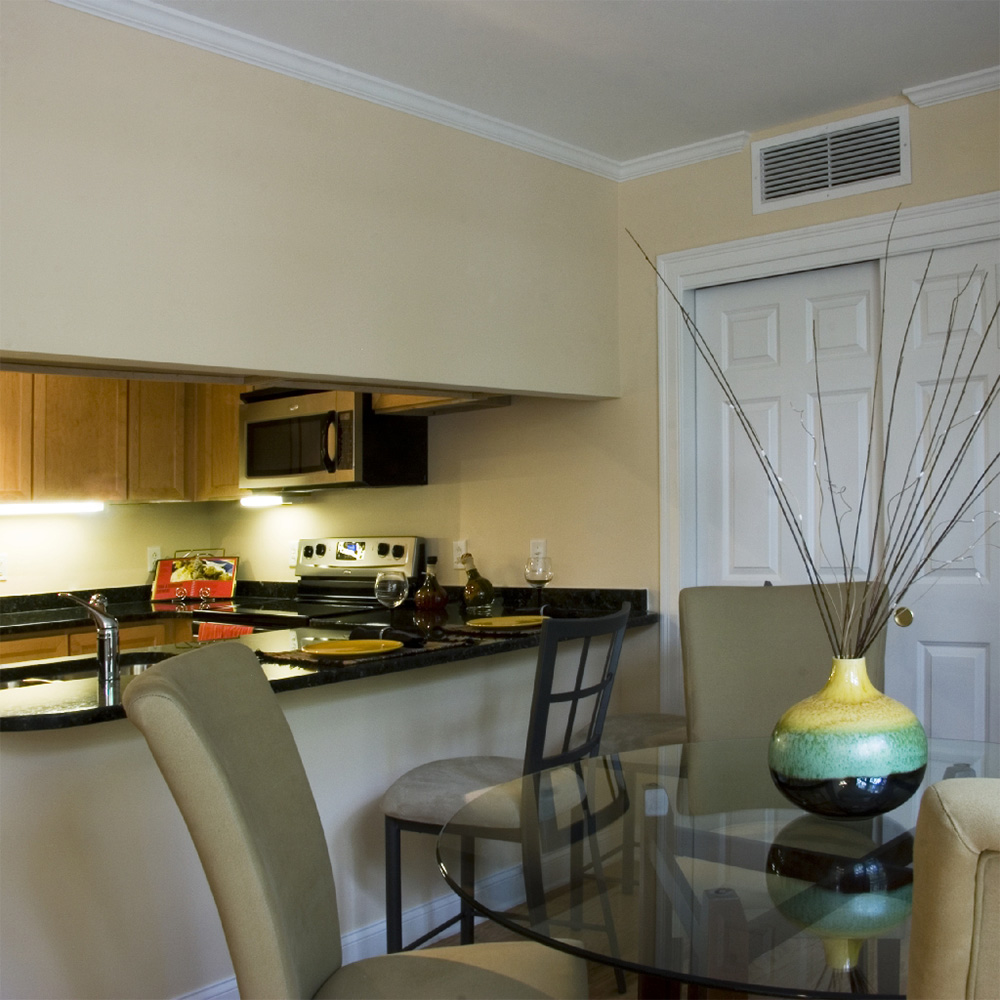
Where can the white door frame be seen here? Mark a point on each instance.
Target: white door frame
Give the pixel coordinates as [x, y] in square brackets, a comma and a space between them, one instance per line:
[951, 223]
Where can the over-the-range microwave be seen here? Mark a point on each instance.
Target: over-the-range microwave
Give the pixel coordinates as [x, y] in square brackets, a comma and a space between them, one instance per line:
[309, 441]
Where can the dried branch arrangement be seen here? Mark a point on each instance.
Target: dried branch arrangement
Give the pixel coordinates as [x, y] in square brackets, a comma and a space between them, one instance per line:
[910, 523]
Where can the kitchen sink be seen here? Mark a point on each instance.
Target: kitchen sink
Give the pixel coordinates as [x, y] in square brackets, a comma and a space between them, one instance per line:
[73, 668]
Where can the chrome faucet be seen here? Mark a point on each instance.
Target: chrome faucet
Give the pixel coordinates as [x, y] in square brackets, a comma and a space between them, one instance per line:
[108, 675]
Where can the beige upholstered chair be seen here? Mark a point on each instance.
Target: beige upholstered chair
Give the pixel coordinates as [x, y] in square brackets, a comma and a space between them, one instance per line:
[226, 751]
[750, 653]
[955, 935]
[577, 661]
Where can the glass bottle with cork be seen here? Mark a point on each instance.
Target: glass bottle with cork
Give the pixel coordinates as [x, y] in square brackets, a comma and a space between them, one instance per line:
[478, 590]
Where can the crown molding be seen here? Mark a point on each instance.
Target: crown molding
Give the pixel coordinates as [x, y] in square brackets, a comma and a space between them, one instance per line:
[178, 26]
[968, 85]
[181, 27]
[683, 156]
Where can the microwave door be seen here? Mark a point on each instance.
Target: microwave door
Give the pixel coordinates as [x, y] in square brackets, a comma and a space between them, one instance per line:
[286, 448]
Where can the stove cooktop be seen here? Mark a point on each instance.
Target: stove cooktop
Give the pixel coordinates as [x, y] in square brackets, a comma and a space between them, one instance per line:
[336, 579]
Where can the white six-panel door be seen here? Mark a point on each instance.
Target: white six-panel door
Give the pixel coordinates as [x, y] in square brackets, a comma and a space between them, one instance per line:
[765, 335]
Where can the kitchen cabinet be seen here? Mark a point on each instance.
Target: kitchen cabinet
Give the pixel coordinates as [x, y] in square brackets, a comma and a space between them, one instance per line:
[402, 403]
[16, 394]
[50, 646]
[215, 442]
[141, 635]
[157, 440]
[79, 430]
[82, 640]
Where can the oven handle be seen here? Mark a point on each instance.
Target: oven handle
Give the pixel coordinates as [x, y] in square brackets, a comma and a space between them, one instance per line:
[328, 435]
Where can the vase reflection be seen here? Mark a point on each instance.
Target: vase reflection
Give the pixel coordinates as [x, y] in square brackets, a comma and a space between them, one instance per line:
[833, 880]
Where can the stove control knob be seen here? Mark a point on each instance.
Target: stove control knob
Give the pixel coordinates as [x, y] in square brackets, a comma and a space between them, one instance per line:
[383, 549]
[321, 549]
[398, 551]
[307, 552]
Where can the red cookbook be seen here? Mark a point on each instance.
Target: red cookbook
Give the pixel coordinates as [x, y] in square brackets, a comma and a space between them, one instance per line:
[194, 576]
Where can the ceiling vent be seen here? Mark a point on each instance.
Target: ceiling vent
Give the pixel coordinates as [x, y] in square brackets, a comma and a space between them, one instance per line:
[847, 157]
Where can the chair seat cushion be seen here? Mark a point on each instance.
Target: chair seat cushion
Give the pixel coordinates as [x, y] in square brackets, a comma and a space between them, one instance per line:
[488, 971]
[433, 792]
[635, 732]
[478, 792]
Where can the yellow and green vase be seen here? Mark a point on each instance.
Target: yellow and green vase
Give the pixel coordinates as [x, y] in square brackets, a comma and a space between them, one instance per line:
[848, 751]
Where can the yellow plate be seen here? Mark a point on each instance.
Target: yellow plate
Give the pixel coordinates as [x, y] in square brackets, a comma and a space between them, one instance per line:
[352, 647]
[510, 621]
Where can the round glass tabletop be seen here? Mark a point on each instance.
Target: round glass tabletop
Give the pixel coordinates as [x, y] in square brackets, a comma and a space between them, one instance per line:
[685, 862]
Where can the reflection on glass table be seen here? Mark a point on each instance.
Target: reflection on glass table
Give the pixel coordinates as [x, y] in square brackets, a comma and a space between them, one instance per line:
[685, 864]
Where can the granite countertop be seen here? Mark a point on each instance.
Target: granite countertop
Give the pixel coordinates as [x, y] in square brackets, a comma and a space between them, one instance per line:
[40, 612]
[31, 700]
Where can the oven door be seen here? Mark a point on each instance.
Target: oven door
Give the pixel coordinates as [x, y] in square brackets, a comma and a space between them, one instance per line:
[297, 442]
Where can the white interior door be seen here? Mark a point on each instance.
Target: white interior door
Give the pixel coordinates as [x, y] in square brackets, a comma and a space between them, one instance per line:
[761, 334]
[947, 665]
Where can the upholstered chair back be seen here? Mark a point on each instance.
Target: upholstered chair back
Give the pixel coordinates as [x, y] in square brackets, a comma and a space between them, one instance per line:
[955, 934]
[749, 653]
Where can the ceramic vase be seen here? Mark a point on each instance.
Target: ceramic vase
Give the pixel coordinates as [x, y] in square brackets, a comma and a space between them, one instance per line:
[848, 751]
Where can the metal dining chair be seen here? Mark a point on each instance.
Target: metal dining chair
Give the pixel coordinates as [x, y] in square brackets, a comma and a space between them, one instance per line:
[575, 670]
[228, 755]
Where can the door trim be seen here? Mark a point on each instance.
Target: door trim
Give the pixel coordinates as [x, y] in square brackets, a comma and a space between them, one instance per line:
[943, 224]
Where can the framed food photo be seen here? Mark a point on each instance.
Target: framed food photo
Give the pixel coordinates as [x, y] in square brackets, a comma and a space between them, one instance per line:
[194, 575]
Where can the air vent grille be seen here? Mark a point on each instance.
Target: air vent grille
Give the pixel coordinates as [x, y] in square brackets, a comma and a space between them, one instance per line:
[863, 154]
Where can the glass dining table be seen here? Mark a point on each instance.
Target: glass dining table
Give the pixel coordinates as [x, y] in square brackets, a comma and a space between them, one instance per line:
[686, 865]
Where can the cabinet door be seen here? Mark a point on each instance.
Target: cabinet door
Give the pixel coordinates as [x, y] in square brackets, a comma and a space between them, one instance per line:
[15, 436]
[35, 647]
[157, 468]
[79, 437]
[139, 636]
[216, 447]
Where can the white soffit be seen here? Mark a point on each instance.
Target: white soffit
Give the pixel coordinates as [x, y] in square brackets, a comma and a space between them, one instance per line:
[188, 29]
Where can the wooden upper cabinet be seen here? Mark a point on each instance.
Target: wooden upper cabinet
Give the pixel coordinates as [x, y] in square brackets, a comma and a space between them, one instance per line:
[79, 436]
[390, 402]
[157, 449]
[215, 445]
[15, 437]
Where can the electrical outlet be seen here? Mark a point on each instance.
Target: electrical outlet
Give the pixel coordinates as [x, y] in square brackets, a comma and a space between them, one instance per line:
[536, 548]
[3, 566]
[152, 557]
[293, 553]
[458, 549]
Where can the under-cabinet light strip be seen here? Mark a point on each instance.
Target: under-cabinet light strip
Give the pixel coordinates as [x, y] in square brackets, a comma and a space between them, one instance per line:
[64, 507]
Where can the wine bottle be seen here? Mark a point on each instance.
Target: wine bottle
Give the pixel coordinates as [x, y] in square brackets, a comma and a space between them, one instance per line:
[478, 590]
[430, 595]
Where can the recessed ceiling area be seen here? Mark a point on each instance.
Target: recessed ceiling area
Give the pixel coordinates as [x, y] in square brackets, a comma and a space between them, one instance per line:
[616, 80]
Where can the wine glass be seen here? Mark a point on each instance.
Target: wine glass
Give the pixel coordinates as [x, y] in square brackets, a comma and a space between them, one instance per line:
[538, 572]
[391, 587]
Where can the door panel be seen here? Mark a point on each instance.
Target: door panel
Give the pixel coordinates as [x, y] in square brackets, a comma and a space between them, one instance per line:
[765, 335]
[947, 663]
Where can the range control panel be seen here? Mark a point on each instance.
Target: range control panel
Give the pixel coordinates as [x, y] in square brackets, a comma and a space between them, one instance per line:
[359, 556]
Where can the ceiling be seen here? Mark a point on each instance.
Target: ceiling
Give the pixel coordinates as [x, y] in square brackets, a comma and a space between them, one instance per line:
[599, 83]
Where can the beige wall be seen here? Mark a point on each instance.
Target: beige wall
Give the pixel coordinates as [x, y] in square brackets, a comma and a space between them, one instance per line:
[173, 208]
[439, 253]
